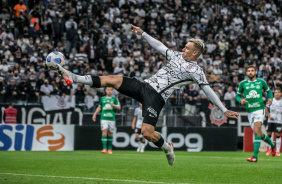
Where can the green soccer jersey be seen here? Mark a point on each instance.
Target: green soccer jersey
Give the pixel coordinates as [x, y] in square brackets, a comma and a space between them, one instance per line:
[108, 112]
[253, 91]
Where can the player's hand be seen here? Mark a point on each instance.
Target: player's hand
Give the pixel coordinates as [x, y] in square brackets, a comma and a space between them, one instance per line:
[269, 102]
[94, 118]
[271, 118]
[112, 104]
[137, 30]
[231, 114]
[243, 101]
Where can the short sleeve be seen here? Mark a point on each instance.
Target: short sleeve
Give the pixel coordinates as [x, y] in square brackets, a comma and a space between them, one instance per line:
[116, 102]
[135, 112]
[264, 86]
[199, 77]
[100, 102]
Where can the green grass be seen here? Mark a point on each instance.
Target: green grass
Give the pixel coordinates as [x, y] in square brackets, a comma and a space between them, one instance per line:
[126, 167]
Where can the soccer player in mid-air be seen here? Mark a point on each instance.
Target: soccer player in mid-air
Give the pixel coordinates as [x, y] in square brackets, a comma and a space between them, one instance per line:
[252, 88]
[136, 126]
[182, 69]
[274, 114]
[108, 104]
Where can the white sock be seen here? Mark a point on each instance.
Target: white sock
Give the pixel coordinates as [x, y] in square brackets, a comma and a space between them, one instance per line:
[166, 147]
[86, 79]
[278, 144]
[139, 144]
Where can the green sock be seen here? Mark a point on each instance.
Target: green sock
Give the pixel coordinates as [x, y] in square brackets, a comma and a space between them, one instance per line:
[266, 139]
[104, 142]
[256, 145]
[110, 140]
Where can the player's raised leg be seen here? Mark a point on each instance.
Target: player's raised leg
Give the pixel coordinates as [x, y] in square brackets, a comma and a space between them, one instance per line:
[151, 135]
[114, 81]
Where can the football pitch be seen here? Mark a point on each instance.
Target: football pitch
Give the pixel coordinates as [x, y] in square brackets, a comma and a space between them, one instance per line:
[126, 167]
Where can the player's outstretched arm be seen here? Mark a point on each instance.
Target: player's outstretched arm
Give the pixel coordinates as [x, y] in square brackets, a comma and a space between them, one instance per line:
[159, 46]
[215, 100]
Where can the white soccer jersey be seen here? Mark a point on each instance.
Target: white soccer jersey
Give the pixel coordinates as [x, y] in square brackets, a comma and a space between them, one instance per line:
[177, 73]
[275, 111]
[138, 114]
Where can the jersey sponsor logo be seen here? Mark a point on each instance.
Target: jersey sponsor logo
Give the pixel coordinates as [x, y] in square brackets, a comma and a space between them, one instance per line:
[169, 70]
[108, 114]
[253, 105]
[217, 116]
[153, 112]
[253, 94]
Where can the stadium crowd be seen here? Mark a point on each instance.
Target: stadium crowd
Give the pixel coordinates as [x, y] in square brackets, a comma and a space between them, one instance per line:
[96, 38]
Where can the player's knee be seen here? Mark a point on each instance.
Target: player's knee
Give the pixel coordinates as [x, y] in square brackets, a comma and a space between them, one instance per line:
[112, 81]
[147, 135]
[257, 131]
[137, 139]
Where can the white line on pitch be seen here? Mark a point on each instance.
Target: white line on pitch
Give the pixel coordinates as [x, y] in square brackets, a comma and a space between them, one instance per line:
[84, 178]
[238, 158]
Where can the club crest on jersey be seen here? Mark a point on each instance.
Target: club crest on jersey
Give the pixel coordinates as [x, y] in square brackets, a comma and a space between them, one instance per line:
[190, 68]
[253, 94]
[217, 116]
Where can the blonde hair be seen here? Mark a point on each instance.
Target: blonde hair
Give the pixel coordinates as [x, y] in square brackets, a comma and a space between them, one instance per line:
[198, 45]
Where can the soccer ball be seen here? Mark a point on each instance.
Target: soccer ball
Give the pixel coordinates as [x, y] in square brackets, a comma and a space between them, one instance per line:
[55, 58]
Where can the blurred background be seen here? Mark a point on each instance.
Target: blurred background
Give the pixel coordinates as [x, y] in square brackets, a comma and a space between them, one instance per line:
[95, 37]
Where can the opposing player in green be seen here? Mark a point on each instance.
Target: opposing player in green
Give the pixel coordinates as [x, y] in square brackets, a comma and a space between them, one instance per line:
[107, 104]
[252, 89]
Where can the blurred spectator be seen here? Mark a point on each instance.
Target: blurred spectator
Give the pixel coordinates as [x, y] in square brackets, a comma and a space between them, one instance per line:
[20, 9]
[91, 50]
[10, 114]
[96, 37]
[79, 94]
[11, 92]
[229, 97]
[46, 88]
[33, 93]
[120, 70]
[190, 96]
[119, 59]
[2, 90]
[81, 57]
[22, 92]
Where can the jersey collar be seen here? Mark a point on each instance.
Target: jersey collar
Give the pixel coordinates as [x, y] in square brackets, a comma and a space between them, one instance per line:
[252, 81]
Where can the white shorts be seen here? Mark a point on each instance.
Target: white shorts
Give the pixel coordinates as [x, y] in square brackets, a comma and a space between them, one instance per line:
[256, 116]
[106, 124]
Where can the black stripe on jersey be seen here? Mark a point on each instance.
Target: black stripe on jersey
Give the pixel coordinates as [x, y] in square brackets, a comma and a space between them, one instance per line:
[166, 54]
[169, 86]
